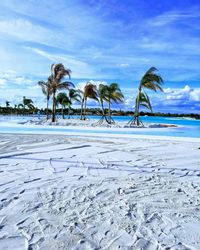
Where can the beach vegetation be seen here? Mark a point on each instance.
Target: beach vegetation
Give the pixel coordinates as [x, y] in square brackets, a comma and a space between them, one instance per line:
[74, 95]
[28, 103]
[64, 101]
[151, 81]
[113, 94]
[109, 93]
[7, 104]
[47, 91]
[56, 81]
[102, 92]
[90, 91]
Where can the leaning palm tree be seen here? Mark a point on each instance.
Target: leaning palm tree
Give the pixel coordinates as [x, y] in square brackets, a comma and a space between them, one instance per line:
[58, 72]
[74, 95]
[103, 93]
[90, 91]
[143, 100]
[151, 81]
[113, 94]
[64, 101]
[27, 103]
[47, 91]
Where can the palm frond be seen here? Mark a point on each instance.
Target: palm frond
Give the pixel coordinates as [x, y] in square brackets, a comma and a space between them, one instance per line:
[158, 87]
[46, 87]
[151, 80]
[31, 106]
[114, 93]
[103, 92]
[27, 101]
[145, 105]
[148, 101]
[63, 99]
[150, 86]
[117, 97]
[58, 71]
[143, 100]
[43, 86]
[74, 95]
[151, 70]
[90, 91]
[64, 85]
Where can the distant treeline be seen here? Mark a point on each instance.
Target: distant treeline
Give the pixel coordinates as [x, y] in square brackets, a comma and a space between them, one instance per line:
[90, 111]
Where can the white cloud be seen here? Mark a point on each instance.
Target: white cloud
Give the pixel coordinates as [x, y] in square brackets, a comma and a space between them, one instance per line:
[174, 16]
[10, 77]
[195, 95]
[178, 94]
[80, 69]
[151, 43]
[123, 65]
[24, 29]
[185, 94]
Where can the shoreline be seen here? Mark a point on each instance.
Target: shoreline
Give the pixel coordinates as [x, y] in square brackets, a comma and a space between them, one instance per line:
[108, 135]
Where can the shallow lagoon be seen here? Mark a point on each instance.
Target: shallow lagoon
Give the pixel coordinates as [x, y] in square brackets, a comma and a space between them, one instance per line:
[186, 127]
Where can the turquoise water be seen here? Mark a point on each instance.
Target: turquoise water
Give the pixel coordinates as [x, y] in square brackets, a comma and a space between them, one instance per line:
[187, 128]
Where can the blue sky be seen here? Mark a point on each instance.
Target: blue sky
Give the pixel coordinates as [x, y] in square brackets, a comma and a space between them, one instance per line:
[102, 41]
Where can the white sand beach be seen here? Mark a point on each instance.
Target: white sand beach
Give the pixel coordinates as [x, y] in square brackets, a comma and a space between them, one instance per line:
[91, 123]
[99, 192]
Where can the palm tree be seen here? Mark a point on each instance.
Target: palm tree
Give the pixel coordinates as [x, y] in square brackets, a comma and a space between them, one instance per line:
[46, 90]
[7, 104]
[74, 95]
[103, 92]
[64, 101]
[143, 100]
[28, 103]
[90, 91]
[58, 72]
[150, 81]
[8, 108]
[113, 94]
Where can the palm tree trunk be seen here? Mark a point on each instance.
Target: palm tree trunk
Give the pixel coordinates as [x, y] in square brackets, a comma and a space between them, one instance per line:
[109, 113]
[63, 113]
[69, 112]
[47, 111]
[85, 109]
[136, 113]
[54, 108]
[82, 102]
[103, 114]
[102, 108]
